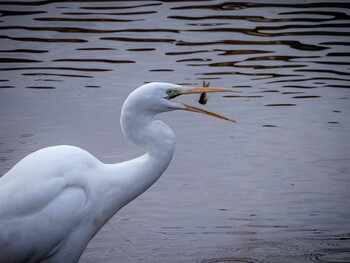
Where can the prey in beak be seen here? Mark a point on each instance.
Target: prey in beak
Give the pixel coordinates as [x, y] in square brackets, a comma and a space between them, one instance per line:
[199, 90]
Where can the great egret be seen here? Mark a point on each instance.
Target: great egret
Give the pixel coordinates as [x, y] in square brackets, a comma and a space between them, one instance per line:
[56, 199]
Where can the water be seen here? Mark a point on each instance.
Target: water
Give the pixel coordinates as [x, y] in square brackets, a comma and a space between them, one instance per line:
[272, 188]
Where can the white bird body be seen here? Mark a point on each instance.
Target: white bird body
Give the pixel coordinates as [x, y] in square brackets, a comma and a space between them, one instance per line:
[56, 199]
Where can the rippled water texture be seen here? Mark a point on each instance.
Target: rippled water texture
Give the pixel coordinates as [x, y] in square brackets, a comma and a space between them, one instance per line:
[274, 187]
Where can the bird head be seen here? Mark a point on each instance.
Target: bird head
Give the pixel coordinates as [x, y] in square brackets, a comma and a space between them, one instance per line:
[156, 97]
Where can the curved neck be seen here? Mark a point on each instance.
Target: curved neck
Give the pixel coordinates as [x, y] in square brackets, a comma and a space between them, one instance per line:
[124, 181]
[138, 174]
[152, 135]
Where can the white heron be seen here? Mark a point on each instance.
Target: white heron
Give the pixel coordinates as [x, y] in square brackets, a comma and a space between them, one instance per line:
[56, 199]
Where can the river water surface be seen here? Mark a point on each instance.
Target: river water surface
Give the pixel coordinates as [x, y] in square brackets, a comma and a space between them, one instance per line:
[274, 187]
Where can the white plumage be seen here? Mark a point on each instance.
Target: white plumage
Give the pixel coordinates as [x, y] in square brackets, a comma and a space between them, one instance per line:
[56, 199]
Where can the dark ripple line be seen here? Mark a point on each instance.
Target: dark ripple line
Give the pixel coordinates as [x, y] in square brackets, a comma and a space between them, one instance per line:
[95, 48]
[19, 13]
[293, 44]
[298, 87]
[225, 52]
[52, 40]
[332, 63]
[279, 58]
[96, 60]
[257, 19]
[336, 15]
[24, 51]
[57, 75]
[280, 105]
[306, 97]
[58, 29]
[306, 79]
[324, 71]
[124, 13]
[87, 30]
[245, 5]
[256, 32]
[119, 7]
[151, 40]
[64, 19]
[57, 68]
[266, 75]
[338, 86]
[336, 43]
[110, 13]
[294, 26]
[45, 2]
[338, 54]
[234, 64]
[18, 60]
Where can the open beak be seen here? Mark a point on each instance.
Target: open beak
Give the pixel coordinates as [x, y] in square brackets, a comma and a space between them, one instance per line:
[195, 90]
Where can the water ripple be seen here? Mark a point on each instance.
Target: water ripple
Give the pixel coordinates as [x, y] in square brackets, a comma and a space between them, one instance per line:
[290, 62]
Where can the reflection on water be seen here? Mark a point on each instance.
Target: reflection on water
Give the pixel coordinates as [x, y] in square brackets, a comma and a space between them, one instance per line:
[279, 190]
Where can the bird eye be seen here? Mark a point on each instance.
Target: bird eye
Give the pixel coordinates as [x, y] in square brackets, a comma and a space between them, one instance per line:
[170, 91]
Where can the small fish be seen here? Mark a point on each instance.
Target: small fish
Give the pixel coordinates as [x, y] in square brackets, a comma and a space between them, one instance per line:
[203, 99]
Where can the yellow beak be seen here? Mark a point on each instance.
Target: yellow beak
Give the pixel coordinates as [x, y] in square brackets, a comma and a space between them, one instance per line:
[190, 90]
